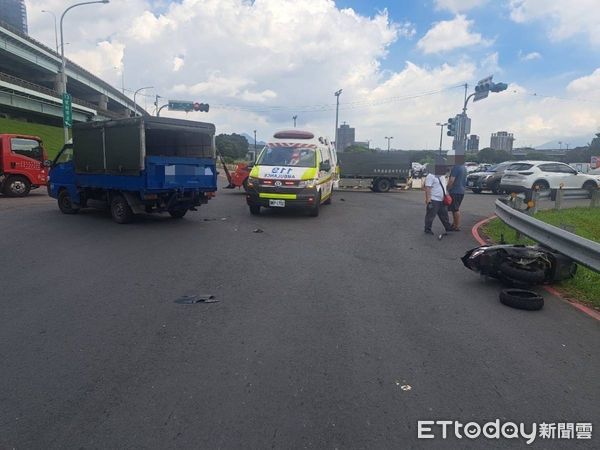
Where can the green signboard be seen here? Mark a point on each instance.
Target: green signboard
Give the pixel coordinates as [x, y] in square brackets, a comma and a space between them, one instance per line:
[180, 105]
[67, 110]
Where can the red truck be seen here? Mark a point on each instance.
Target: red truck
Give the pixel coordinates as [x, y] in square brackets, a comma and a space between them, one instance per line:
[22, 165]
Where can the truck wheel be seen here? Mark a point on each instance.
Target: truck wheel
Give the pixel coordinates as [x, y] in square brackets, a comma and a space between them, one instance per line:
[254, 209]
[383, 185]
[328, 201]
[495, 188]
[178, 213]
[120, 210]
[65, 204]
[245, 184]
[314, 211]
[17, 187]
[476, 191]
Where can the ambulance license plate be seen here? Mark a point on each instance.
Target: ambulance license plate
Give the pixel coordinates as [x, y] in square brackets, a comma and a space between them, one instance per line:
[277, 203]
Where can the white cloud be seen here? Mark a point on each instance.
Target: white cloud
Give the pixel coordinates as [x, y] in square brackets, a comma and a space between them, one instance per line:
[562, 20]
[490, 64]
[259, 63]
[178, 63]
[458, 5]
[532, 56]
[586, 86]
[449, 35]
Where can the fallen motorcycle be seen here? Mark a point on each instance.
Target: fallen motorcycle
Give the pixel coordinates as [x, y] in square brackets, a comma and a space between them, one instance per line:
[520, 265]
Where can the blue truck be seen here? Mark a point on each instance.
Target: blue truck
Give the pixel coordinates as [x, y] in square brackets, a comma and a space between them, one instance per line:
[136, 165]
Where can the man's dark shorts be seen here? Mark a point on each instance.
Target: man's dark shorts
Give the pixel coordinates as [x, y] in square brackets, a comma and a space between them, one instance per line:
[456, 201]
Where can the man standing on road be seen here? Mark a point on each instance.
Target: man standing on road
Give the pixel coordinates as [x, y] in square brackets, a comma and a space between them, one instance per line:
[456, 189]
[435, 188]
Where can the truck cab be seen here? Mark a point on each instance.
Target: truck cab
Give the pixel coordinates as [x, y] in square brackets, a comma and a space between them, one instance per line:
[22, 165]
[294, 170]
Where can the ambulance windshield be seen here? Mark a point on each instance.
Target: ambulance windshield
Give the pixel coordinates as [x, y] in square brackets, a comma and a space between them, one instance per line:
[287, 156]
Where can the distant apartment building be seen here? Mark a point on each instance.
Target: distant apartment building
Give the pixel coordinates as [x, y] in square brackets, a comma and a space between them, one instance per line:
[14, 13]
[346, 137]
[502, 140]
[473, 143]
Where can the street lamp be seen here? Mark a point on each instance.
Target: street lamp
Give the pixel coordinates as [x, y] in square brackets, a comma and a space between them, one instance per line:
[55, 29]
[337, 109]
[389, 139]
[135, 94]
[122, 69]
[441, 125]
[255, 141]
[62, 55]
[294, 117]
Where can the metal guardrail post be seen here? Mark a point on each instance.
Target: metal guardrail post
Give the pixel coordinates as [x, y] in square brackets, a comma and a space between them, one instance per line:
[559, 198]
[595, 199]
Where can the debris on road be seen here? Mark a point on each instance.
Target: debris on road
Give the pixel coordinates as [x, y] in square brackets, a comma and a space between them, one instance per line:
[519, 265]
[521, 299]
[258, 230]
[192, 299]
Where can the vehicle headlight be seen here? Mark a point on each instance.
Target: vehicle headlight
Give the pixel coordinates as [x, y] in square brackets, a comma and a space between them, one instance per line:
[252, 180]
[306, 184]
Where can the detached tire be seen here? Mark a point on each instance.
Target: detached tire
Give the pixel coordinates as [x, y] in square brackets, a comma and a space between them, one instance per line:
[65, 204]
[120, 210]
[533, 276]
[17, 187]
[521, 299]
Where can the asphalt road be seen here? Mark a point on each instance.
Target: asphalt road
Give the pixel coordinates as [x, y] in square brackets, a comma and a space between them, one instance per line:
[340, 331]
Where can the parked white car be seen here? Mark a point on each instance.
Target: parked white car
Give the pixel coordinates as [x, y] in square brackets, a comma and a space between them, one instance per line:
[543, 175]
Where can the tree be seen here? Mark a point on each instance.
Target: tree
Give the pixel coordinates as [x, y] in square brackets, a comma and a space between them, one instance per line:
[490, 156]
[595, 146]
[358, 149]
[233, 146]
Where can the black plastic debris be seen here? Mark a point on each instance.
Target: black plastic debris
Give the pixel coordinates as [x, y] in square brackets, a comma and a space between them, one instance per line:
[258, 230]
[520, 265]
[192, 299]
[342, 199]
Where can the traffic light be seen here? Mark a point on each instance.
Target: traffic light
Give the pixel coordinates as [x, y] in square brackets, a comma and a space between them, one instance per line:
[451, 126]
[202, 107]
[499, 87]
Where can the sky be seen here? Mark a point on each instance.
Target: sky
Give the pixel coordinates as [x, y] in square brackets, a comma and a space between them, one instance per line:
[401, 64]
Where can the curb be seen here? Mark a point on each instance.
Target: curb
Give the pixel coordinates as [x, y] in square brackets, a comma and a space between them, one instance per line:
[583, 308]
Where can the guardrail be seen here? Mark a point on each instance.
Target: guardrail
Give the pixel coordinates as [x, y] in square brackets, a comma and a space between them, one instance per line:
[581, 250]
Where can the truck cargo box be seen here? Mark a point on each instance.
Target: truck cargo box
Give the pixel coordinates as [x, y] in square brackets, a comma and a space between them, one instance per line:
[120, 147]
[376, 164]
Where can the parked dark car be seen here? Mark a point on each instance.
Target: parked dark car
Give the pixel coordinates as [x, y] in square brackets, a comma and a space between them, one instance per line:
[488, 180]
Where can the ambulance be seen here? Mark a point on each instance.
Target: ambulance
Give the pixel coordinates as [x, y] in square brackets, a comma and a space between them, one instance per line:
[294, 170]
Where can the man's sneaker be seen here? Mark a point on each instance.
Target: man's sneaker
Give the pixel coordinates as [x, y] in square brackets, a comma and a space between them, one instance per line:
[428, 232]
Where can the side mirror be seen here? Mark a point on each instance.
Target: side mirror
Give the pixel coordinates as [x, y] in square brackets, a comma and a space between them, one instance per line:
[47, 163]
[325, 166]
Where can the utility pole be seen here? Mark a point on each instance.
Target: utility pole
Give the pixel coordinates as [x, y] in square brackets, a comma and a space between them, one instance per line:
[389, 139]
[55, 27]
[337, 109]
[294, 117]
[255, 140]
[560, 144]
[441, 125]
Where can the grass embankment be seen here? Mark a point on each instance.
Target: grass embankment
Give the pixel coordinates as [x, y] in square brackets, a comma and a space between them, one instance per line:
[52, 137]
[585, 222]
